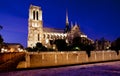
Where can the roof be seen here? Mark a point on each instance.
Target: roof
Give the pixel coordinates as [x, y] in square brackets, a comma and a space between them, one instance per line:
[53, 30]
[12, 43]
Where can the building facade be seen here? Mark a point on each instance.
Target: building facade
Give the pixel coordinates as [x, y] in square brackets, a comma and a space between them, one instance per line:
[102, 44]
[38, 33]
[12, 47]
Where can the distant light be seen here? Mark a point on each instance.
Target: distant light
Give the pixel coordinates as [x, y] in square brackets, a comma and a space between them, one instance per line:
[5, 50]
[107, 47]
[20, 50]
[54, 47]
[75, 51]
[2, 49]
[61, 52]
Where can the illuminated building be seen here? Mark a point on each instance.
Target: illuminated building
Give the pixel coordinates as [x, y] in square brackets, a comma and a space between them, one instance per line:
[38, 33]
[12, 47]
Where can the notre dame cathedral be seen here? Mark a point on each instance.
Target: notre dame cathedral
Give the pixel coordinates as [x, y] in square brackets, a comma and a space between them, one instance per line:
[37, 32]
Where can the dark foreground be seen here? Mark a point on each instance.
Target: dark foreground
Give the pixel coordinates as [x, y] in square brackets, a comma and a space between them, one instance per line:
[98, 69]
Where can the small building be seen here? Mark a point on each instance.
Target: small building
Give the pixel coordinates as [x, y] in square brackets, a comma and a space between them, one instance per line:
[12, 47]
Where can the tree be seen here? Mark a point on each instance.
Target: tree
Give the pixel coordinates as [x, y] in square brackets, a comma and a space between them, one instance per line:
[76, 41]
[40, 47]
[29, 49]
[116, 45]
[81, 44]
[61, 44]
[1, 39]
[1, 42]
[89, 48]
[37, 48]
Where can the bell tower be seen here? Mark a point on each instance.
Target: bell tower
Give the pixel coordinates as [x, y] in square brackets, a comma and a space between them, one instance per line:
[35, 26]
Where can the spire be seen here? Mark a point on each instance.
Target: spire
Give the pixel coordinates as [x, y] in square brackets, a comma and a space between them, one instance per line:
[76, 23]
[67, 28]
[71, 24]
[67, 22]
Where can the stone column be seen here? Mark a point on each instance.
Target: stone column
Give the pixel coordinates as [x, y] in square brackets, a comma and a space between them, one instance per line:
[27, 58]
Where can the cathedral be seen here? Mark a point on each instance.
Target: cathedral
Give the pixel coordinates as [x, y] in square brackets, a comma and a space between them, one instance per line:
[38, 33]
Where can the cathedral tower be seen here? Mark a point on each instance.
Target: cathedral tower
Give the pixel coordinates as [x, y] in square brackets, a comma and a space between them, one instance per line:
[35, 26]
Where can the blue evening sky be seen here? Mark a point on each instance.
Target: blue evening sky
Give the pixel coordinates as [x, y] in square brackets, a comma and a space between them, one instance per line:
[97, 18]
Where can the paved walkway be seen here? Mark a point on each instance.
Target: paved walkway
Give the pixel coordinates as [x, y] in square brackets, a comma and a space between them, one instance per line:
[98, 69]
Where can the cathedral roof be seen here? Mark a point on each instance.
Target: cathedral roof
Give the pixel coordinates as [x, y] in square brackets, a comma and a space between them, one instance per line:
[54, 30]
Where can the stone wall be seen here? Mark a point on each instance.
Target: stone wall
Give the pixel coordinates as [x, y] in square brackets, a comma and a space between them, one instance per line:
[43, 59]
[4, 57]
[9, 61]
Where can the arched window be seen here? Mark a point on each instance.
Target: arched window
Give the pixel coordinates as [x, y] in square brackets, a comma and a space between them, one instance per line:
[38, 37]
[51, 36]
[48, 36]
[57, 36]
[43, 35]
[37, 15]
[60, 36]
[34, 15]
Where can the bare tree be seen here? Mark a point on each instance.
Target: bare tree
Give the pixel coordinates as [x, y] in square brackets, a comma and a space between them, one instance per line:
[1, 39]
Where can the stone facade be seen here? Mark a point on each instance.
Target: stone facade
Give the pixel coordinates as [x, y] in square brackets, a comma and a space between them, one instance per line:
[37, 33]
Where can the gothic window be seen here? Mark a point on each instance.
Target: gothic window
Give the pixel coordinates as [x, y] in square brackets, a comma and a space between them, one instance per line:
[60, 37]
[48, 36]
[38, 37]
[34, 15]
[44, 36]
[51, 36]
[37, 15]
[63, 37]
[57, 37]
